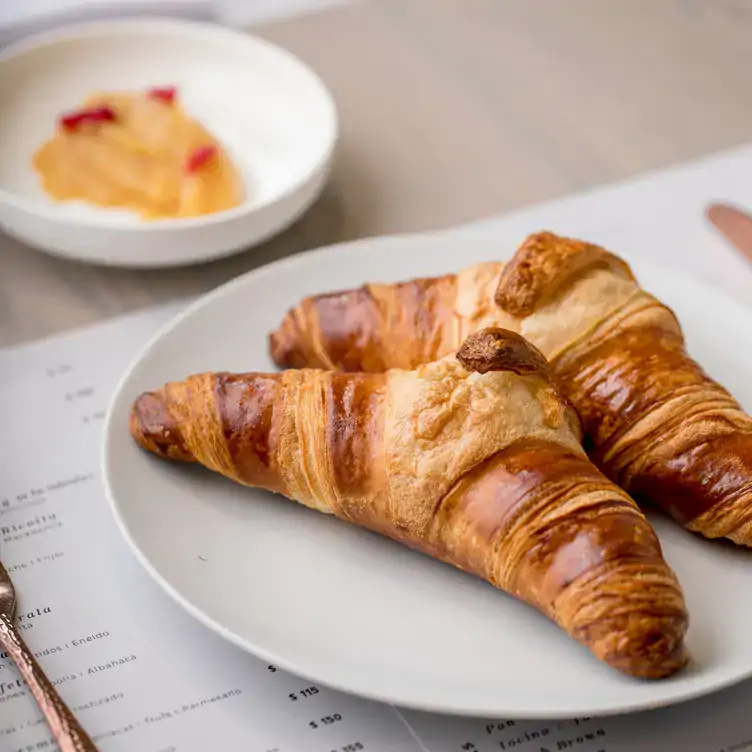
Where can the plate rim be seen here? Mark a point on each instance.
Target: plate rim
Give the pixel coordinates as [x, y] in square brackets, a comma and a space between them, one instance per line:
[314, 256]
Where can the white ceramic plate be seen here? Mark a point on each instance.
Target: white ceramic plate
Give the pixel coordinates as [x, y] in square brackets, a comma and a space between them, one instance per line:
[349, 609]
[270, 111]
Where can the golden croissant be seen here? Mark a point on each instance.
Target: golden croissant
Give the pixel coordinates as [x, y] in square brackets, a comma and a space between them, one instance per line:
[654, 421]
[475, 460]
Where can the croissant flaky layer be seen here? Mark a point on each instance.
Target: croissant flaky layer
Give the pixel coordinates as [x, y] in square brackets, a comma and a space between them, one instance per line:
[654, 421]
[475, 460]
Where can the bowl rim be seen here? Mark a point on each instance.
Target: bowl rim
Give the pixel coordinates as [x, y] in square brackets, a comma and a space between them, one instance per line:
[176, 26]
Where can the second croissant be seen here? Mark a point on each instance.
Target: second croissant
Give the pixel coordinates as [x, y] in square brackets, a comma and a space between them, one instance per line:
[654, 421]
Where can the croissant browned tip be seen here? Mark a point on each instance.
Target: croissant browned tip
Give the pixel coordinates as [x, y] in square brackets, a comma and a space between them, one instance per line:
[155, 429]
[286, 344]
[496, 349]
[543, 264]
[642, 644]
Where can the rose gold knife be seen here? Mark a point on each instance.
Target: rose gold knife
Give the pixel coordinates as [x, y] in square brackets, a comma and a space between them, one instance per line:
[66, 730]
[734, 224]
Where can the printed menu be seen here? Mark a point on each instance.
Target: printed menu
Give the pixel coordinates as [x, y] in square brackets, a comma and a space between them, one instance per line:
[140, 673]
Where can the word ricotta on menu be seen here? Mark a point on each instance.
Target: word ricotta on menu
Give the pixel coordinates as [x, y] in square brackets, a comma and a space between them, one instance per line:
[142, 674]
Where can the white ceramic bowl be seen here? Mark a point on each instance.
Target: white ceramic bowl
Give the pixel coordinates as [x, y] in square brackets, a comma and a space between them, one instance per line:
[270, 111]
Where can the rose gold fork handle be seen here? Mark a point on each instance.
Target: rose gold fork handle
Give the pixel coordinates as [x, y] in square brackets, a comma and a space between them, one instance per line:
[735, 224]
[66, 730]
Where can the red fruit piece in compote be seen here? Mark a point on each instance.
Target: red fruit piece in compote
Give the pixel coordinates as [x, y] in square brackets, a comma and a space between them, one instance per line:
[164, 94]
[73, 120]
[199, 157]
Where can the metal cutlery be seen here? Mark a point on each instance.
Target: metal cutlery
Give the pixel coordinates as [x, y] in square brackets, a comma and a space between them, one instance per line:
[66, 730]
